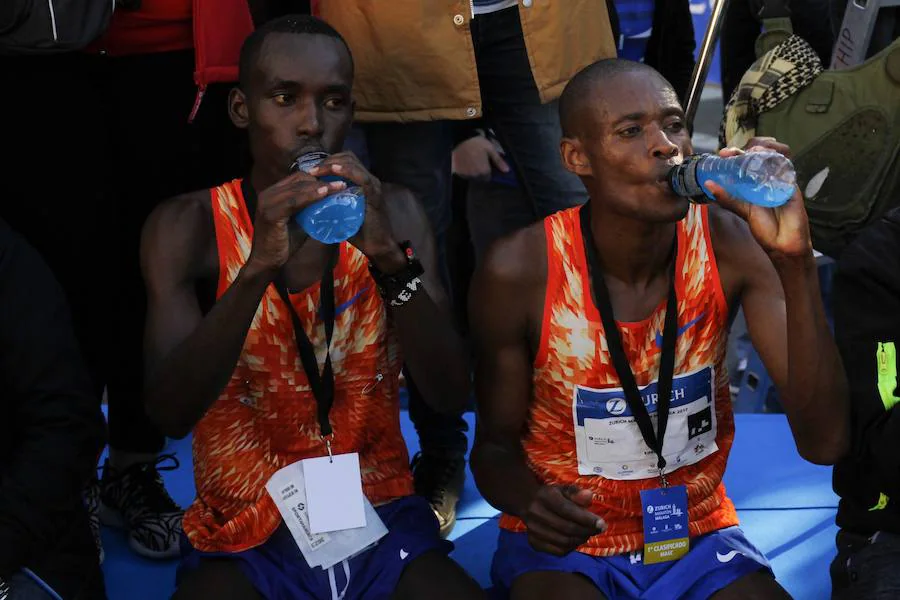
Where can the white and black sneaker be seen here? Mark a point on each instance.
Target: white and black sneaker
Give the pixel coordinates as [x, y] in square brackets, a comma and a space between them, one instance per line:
[136, 500]
[92, 503]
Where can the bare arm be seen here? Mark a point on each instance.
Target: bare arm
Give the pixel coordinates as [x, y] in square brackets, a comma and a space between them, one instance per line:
[504, 286]
[776, 277]
[189, 356]
[782, 303]
[498, 314]
[432, 347]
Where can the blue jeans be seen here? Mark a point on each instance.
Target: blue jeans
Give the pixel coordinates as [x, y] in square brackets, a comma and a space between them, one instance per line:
[865, 567]
[417, 155]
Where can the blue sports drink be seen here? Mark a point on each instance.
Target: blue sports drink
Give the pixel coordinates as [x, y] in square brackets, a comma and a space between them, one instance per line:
[338, 216]
[761, 178]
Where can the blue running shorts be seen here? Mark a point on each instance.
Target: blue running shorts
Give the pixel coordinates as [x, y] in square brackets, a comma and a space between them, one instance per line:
[714, 561]
[278, 570]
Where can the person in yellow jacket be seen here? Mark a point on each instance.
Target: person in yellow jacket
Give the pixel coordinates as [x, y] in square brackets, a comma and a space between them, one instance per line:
[423, 64]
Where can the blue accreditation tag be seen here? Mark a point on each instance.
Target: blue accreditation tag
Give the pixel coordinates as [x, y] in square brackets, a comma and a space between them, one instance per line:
[665, 524]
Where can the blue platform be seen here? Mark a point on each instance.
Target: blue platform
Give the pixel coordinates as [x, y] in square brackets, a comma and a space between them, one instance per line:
[786, 507]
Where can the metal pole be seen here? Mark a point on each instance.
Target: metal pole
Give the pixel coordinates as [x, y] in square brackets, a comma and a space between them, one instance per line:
[701, 69]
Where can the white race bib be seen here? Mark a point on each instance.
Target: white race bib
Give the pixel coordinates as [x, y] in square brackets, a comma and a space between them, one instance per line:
[609, 442]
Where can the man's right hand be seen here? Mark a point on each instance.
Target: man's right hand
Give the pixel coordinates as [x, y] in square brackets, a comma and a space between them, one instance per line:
[559, 521]
[474, 158]
[275, 234]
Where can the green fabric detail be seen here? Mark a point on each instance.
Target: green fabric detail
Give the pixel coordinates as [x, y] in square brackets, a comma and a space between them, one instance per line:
[882, 503]
[887, 373]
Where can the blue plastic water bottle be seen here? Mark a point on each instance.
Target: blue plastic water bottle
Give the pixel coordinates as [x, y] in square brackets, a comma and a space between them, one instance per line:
[336, 217]
[761, 178]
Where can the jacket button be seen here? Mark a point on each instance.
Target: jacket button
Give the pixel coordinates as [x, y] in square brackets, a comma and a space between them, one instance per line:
[526, 3]
[459, 19]
[471, 111]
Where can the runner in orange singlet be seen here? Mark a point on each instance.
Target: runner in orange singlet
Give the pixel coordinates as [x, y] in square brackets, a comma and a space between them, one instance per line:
[272, 349]
[566, 445]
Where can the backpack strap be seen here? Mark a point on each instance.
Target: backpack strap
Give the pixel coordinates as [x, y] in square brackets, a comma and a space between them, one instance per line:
[775, 16]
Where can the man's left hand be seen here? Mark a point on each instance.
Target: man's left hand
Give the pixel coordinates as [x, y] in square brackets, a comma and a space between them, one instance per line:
[782, 231]
[375, 238]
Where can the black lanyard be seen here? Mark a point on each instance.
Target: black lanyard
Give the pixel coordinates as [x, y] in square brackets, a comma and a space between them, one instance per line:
[654, 440]
[322, 386]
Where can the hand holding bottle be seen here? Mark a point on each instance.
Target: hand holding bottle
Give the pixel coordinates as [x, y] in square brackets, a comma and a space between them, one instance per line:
[782, 230]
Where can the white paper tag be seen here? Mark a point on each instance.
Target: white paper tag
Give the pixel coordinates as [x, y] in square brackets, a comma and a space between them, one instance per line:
[352, 542]
[334, 493]
[288, 490]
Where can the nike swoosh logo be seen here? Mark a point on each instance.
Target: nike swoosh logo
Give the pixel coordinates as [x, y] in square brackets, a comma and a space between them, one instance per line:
[681, 330]
[724, 558]
[344, 306]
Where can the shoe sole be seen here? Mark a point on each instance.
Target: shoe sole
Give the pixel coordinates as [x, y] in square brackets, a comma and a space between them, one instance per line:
[113, 518]
[448, 527]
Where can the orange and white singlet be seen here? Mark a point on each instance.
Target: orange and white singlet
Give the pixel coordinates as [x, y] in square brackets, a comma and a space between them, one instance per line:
[578, 419]
[266, 419]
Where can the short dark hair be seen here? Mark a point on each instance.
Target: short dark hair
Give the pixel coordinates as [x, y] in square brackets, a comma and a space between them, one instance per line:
[577, 93]
[299, 24]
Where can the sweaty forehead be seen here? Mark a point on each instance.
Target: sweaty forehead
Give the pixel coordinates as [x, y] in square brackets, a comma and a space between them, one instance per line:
[312, 60]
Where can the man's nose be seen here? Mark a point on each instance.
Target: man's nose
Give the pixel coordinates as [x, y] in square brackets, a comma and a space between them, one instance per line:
[308, 119]
[662, 147]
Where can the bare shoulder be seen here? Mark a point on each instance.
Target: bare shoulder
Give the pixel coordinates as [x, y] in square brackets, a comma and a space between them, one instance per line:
[180, 234]
[506, 298]
[518, 260]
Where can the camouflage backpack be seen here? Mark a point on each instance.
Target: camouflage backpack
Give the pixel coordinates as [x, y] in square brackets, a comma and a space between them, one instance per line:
[842, 126]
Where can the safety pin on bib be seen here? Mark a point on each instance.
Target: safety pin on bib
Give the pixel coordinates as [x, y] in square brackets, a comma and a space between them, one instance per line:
[327, 439]
[371, 385]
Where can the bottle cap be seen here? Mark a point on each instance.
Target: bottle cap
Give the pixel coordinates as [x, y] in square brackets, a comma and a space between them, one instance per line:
[306, 162]
[683, 180]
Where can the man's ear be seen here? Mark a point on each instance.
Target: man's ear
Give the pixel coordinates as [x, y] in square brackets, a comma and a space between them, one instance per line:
[574, 157]
[238, 109]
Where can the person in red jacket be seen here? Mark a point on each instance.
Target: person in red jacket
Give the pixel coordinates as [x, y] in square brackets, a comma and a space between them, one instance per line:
[115, 129]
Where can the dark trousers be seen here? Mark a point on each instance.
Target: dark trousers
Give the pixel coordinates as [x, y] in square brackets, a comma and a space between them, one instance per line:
[865, 567]
[107, 139]
[810, 19]
[417, 155]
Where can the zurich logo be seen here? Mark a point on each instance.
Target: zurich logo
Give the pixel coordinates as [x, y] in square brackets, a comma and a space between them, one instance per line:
[616, 406]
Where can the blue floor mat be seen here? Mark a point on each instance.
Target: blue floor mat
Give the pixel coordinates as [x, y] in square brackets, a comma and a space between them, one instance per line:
[786, 508]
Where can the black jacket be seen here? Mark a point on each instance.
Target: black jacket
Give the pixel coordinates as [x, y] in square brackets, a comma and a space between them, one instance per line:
[51, 430]
[670, 49]
[867, 323]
